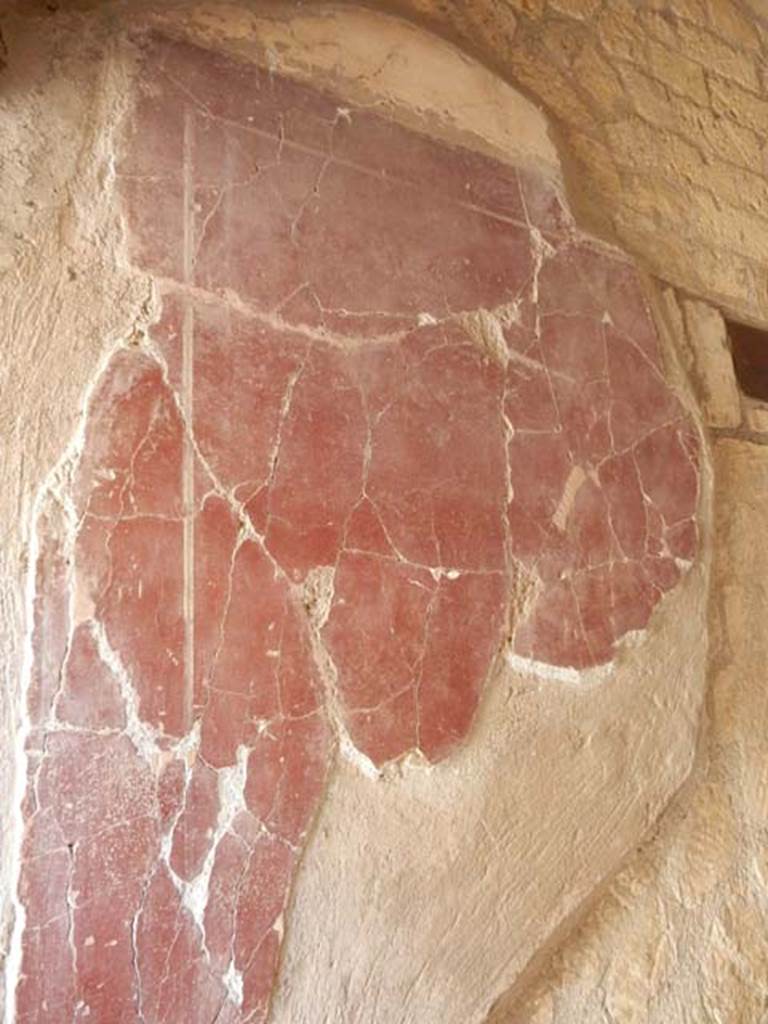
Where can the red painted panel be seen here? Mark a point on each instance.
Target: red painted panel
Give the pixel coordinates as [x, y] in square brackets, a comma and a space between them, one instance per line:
[388, 378]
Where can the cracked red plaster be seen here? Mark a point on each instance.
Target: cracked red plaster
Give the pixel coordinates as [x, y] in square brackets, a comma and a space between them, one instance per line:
[388, 376]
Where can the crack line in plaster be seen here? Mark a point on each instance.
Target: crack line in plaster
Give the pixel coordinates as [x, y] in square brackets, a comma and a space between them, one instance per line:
[231, 788]
[69, 898]
[142, 735]
[134, 932]
[316, 595]
[233, 983]
[343, 114]
[53, 485]
[542, 251]
[485, 327]
[318, 592]
[232, 300]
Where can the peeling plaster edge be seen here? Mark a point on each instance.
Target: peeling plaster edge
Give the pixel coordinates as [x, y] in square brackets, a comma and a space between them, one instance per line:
[505, 1004]
[352, 754]
[231, 782]
[321, 584]
[106, 112]
[296, 43]
[21, 764]
[50, 486]
[143, 737]
[557, 673]
[663, 301]
[322, 577]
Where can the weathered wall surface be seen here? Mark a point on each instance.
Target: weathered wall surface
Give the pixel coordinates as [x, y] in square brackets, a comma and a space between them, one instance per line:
[512, 843]
[64, 297]
[680, 936]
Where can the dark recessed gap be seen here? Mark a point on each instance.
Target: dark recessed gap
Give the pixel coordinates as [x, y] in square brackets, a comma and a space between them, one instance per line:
[749, 348]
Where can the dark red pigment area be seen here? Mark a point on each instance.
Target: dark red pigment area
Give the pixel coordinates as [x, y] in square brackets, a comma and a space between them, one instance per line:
[390, 387]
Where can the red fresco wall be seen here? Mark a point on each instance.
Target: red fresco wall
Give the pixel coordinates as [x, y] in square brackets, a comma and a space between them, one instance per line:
[396, 415]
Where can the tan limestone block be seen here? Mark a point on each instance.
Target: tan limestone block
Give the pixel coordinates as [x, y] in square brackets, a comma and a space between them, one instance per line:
[710, 364]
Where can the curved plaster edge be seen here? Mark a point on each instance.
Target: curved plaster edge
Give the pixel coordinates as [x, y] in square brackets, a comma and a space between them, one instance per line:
[667, 309]
[423, 896]
[379, 59]
[67, 297]
[681, 926]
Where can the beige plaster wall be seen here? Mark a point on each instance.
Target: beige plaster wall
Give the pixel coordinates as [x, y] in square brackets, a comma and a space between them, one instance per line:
[464, 878]
[682, 934]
